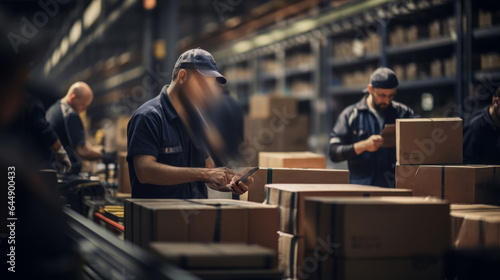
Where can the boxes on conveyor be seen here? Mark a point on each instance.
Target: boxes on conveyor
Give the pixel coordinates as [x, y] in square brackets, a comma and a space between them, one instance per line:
[290, 198]
[263, 176]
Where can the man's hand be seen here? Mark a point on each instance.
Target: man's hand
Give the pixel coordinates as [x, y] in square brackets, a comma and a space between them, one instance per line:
[109, 157]
[219, 176]
[62, 161]
[241, 188]
[371, 144]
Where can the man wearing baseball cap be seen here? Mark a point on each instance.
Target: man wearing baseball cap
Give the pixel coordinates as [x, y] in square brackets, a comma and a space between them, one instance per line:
[165, 160]
[356, 134]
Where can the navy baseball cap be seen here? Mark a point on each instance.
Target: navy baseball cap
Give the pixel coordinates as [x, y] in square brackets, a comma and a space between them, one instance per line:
[202, 61]
[384, 77]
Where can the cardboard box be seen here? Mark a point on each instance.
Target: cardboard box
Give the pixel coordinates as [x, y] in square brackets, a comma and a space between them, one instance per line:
[397, 36]
[266, 106]
[435, 29]
[214, 255]
[377, 227]
[123, 174]
[409, 268]
[291, 200]
[429, 141]
[132, 207]
[436, 68]
[479, 230]
[475, 225]
[455, 183]
[290, 249]
[450, 66]
[292, 160]
[263, 176]
[205, 220]
[274, 134]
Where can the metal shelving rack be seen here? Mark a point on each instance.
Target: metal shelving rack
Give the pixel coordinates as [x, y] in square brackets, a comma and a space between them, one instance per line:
[324, 31]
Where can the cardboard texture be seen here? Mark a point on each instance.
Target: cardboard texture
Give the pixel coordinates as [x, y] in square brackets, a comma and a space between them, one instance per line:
[204, 220]
[123, 174]
[455, 183]
[292, 160]
[129, 219]
[377, 227]
[267, 106]
[290, 249]
[475, 226]
[214, 255]
[414, 268]
[263, 176]
[290, 199]
[274, 134]
[429, 141]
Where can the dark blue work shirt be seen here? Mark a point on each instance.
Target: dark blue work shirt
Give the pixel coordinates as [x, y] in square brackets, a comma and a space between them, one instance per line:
[156, 129]
[69, 128]
[481, 139]
[357, 123]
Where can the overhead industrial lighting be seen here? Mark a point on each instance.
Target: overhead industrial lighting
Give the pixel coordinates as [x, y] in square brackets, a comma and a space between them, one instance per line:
[56, 55]
[64, 46]
[46, 69]
[76, 32]
[149, 4]
[91, 13]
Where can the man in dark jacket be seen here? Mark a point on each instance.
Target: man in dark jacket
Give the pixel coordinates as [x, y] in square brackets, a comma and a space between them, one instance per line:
[356, 135]
[482, 134]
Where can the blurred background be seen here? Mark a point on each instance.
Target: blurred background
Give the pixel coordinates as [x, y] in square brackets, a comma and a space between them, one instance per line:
[318, 52]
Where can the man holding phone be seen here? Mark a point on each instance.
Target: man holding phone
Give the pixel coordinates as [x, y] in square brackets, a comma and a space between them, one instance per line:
[164, 160]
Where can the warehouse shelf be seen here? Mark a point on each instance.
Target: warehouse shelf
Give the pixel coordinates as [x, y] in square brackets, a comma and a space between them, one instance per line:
[487, 76]
[341, 90]
[424, 45]
[487, 33]
[301, 70]
[426, 83]
[350, 61]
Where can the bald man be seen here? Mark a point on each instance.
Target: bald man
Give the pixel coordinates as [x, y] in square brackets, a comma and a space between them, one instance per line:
[64, 118]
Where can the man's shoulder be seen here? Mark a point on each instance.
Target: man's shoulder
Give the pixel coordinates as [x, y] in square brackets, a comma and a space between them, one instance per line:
[149, 108]
[478, 120]
[400, 107]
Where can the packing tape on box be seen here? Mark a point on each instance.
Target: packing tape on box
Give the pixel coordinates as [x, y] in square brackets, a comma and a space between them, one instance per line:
[269, 181]
[442, 182]
[218, 217]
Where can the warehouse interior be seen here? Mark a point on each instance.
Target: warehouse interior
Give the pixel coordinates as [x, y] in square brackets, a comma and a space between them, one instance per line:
[292, 69]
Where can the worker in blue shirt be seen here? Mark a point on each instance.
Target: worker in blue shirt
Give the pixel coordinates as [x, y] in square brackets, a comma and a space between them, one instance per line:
[482, 134]
[165, 160]
[356, 134]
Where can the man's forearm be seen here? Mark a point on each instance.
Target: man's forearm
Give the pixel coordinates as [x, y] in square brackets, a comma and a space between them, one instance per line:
[155, 173]
[339, 152]
[88, 153]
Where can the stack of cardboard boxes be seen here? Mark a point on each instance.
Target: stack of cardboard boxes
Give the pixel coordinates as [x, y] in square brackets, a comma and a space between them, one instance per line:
[273, 124]
[293, 223]
[429, 161]
[207, 237]
[375, 238]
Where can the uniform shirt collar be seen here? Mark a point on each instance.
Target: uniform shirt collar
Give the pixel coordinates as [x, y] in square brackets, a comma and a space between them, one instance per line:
[167, 105]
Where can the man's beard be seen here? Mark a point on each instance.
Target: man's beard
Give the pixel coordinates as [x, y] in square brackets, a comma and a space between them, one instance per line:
[377, 107]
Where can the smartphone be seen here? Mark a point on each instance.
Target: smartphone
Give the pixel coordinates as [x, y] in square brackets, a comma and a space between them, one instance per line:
[244, 178]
